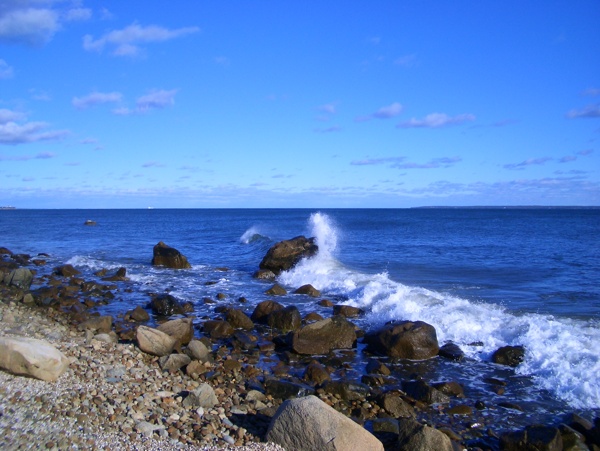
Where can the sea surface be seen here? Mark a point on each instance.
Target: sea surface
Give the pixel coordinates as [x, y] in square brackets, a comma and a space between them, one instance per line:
[484, 277]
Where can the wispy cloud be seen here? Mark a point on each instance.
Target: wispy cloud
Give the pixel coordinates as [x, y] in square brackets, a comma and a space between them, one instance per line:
[14, 129]
[128, 41]
[406, 61]
[585, 152]
[39, 156]
[332, 129]
[78, 15]
[153, 164]
[6, 71]
[385, 112]
[328, 108]
[529, 162]
[155, 100]
[401, 163]
[437, 120]
[96, 98]
[592, 92]
[589, 111]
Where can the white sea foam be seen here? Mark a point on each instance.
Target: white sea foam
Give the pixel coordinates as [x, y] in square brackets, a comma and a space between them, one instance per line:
[562, 355]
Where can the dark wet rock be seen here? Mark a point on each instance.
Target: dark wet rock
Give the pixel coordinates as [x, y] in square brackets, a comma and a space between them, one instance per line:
[542, 438]
[325, 303]
[90, 222]
[511, 406]
[244, 340]
[19, 277]
[169, 257]
[450, 388]
[285, 320]
[218, 329]
[509, 355]
[385, 425]
[282, 389]
[393, 404]
[264, 274]
[347, 310]
[66, 271]
[308, 290]
[413, 435]
[422, 391]
[591, 431]
[316, 373]
[276, 290]
[238, 319]
[312, 317]
[138, 314]
[166, 305]
[119, 276]
[310, 424]
[460, 409]
[572, 439]
[375, 380]
[285, 254]
[405, 339]
[451, 351]
[374, 366]
[324, 336]
[264, 309]
[5, 251]
[347, 390]
[181, 330]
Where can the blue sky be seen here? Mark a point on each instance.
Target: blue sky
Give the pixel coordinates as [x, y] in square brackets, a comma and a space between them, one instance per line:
[299, 103]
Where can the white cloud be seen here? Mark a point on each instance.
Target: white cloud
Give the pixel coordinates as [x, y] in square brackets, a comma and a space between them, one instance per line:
[12, 132]
[389, 111]
[126, 42]
[154, 100]
[590, 111]
[401, 163]
[6, 71]
[95, 98]
[329, 108]
[436, 120]
[78, 14]
[23, 24]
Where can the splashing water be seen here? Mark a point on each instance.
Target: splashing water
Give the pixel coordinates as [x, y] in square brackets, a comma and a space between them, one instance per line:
[560, 353]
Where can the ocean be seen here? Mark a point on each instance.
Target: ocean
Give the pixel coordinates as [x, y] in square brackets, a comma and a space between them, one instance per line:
[483, 277]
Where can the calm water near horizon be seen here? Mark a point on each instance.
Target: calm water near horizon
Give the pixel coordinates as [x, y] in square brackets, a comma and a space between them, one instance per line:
[492, 276]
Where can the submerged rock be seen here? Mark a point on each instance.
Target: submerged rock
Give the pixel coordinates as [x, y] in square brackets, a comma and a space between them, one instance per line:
[509, 355]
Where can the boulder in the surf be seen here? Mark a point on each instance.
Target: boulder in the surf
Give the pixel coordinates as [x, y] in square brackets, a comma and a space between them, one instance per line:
[169, 257]
[287, 253]
[166, 305]
[324, 336]
[509, 355]
[414, 340]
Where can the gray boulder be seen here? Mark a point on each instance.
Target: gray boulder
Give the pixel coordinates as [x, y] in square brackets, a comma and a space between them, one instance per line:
[20, 278]
[180, 329]
[310, 424]
[31, 357]
[153, 341]
[203, 396]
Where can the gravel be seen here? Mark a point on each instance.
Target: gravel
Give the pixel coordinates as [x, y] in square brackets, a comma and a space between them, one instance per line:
[113, 396]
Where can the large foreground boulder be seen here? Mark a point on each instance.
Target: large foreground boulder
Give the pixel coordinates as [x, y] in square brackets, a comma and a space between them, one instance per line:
[324, 336]
[309, 424]
[20, 278]
[168, 256]
[32, 357]
[181, 330]
[415, 340]
[285, 254]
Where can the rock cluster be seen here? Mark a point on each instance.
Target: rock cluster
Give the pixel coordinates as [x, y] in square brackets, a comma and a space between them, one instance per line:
[168, 380]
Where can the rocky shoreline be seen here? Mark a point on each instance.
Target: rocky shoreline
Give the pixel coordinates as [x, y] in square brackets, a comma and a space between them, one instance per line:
[226, 381]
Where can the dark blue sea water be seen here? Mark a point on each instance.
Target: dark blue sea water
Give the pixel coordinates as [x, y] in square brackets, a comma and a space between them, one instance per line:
[493, 276]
